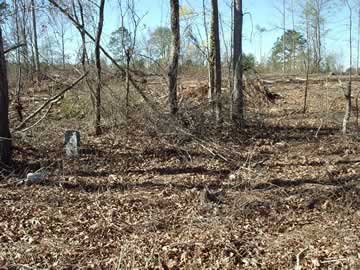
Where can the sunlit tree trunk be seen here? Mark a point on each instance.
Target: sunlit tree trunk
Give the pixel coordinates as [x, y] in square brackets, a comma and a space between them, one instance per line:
[98, 68]
[174, 57]
[215, 60]
[237, 95]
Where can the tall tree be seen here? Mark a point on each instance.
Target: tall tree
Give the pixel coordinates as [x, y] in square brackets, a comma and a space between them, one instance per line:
[5, 137]
[294, 48]
[358, 43]
[35, 39]
[59, 24]
[347, 90]
[98, 68]
[215, 97]
[237, 95]
[120, 41]
[307, 63]
[284, 31]
[315, 11]
[160, 42]
[174, 55]
[24, 35]
[78, 11]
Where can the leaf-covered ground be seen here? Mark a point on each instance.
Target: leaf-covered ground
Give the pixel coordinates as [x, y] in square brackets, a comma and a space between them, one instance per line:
[290, 197]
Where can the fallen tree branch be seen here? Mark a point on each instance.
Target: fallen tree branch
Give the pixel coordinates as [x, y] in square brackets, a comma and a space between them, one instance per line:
[14, 47]
[49, 101]
[43, 117]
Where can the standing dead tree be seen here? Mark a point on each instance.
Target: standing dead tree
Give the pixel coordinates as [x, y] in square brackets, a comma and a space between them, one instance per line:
[174, 58]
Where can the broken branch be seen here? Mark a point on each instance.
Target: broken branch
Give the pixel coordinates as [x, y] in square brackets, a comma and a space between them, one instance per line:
[49, 101]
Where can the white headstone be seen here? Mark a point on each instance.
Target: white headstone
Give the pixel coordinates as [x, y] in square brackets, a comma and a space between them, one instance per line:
[72, 143]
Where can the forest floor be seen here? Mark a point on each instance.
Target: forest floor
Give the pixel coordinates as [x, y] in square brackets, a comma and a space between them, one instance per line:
[284, 193]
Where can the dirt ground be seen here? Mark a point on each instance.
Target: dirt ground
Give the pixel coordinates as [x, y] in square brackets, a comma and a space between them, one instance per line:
[284, 193]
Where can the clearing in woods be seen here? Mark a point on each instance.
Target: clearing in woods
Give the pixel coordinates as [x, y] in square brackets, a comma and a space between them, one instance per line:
[282, 194]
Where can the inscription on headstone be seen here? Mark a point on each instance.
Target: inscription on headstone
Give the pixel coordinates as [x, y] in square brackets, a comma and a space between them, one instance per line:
[72, 143]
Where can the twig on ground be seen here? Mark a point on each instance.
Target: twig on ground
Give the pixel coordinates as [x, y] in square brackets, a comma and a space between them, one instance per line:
[319, 128]
[298, 259]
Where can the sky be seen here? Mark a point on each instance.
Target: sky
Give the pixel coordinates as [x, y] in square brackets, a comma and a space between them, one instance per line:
[263, 13]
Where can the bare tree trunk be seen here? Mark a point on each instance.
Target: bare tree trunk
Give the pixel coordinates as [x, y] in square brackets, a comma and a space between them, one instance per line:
[231, 62]
[80, 26]
[35, 39]
[216, 59]
[127, 81]
[293, 37]
[18, 105]
[237, 95]
[211, 92]
[63, 46]
[318, 35]
[307, 64]
[5, 137]
[210, 75]
[24, 49]
[347, 91]
[98, 69]
[284, 32]
[79, 18]
[174, 58]
[358, 44]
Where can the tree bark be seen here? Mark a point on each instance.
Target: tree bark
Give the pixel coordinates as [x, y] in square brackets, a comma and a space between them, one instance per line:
[237, 113]
[5, 137]
[98, 69]
[216, 59]
[174, 57]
